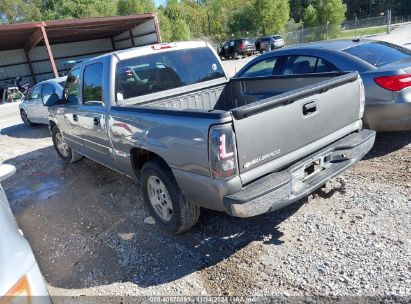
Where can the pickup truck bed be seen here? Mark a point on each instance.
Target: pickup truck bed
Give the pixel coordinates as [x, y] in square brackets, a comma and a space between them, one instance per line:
[245, 145]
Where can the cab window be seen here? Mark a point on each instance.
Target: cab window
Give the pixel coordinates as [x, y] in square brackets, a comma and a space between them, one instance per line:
[72, 87]
[93, 84]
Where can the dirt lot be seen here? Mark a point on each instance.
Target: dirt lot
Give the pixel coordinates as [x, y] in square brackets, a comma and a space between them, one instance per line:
[85, 224]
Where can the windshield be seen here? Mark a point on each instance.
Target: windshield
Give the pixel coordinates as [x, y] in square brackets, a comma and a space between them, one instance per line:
[166, 70]
[379, 53]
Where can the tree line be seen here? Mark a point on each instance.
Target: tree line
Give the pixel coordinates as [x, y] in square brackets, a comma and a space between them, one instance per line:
[216, 19]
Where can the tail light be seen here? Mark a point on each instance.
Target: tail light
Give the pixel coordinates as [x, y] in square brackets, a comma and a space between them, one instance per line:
[394, 83]
[362, 98]
[241, 45]
[223, 157]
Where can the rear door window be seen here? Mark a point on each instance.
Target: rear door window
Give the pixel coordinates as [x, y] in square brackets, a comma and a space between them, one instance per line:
[164, 71]
[379, 53]
[93, 84]
[295, 65]
[299, 65]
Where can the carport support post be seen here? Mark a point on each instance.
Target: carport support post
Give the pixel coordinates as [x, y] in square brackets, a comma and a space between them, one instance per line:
[33, 76]
[46, 43]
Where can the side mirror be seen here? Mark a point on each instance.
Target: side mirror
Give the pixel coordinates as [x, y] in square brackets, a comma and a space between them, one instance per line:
[51, 100]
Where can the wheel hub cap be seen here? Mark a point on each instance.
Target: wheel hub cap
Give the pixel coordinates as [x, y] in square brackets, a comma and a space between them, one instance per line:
[159, 198]
[61, 145]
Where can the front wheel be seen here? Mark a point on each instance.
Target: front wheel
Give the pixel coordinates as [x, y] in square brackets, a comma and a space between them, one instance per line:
[25, 118]
[164, 199]
[63, 150]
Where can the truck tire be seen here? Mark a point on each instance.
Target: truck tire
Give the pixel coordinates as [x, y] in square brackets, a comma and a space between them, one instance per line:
[63, 150]
[164, 199]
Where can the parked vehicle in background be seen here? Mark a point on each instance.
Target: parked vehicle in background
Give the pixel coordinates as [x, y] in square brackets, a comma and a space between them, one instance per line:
[20, 279]
[269, 43]
[12, 94]
[237, 47]
[385, 69]
[168, 116]
[32, 110]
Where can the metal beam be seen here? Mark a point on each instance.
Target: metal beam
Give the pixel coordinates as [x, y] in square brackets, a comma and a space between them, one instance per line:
[30, 66]
[49, 52]
[157, 27]
[131, 37]
[34, 39]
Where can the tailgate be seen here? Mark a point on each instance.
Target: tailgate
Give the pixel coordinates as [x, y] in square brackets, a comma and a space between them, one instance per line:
[273, 127]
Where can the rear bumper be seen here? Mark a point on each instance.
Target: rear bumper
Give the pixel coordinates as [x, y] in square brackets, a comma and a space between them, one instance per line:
[282, 188]
[246, 51]
[388, 117]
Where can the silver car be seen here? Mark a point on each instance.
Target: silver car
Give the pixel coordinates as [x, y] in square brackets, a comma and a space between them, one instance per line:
[32, 110]
[20, 277]
[384, 67]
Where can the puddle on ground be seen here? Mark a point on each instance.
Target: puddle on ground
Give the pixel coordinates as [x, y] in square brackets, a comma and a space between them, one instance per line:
[37, 192]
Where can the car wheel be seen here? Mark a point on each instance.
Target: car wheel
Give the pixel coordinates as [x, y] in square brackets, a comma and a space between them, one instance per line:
[235, 55]
[25, 119]
[164, 198]
[63, 150]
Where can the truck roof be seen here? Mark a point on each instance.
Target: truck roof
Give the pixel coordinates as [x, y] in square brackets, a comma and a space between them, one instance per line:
[149, 49]
[161, 47]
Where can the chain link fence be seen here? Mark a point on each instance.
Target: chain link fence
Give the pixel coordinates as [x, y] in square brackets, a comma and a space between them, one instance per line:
[309, 34]
[348, 28]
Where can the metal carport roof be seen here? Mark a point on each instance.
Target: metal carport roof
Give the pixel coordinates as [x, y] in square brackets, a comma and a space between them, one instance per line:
[29, 35]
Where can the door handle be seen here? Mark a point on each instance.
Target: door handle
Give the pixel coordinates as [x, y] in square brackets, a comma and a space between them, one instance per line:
[309, 108]
[96, 121]
[75, 118]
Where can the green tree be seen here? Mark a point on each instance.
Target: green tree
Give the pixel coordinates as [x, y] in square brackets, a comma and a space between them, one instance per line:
[323, 12]
[271, 15]
[331, 11]
[127, 7]
[242, 20]
[87, 8]
[310, 16]
[18, 11]
[165, 27]
[181, 31]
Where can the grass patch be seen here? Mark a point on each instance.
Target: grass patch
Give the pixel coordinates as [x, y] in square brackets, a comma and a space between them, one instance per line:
[367, 30]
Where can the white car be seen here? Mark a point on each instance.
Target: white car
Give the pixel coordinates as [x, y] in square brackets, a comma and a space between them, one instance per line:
[32, 110]
[20, 277]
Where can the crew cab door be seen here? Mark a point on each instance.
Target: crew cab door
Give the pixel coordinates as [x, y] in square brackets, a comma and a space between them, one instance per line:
[33, 98]
[91, 115]
[42, 111]
[67, 112]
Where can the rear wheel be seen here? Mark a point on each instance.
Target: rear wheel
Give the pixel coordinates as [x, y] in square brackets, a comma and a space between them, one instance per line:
[235, 55]
[164, 199]
[63, 150]
[25, 118]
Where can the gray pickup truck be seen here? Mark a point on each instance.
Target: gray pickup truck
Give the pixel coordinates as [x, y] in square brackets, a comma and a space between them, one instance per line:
[167, 115]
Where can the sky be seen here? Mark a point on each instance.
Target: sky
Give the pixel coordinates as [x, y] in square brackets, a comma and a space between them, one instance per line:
[159, 2]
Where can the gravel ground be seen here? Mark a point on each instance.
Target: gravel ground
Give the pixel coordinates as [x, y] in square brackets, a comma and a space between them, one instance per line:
[86, 226]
